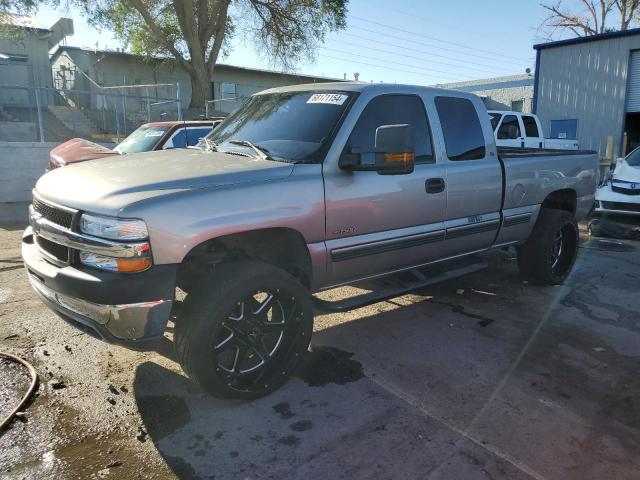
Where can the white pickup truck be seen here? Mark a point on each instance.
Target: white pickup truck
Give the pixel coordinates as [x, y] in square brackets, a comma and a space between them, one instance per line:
[517, 129]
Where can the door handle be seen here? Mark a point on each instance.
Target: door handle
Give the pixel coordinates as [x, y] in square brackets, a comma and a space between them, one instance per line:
[434, 185]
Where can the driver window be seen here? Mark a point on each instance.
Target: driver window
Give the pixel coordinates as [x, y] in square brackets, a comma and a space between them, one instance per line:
[391, 110]
[510, 129]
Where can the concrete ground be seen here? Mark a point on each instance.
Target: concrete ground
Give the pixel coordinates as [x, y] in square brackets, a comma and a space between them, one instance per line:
[484, 377]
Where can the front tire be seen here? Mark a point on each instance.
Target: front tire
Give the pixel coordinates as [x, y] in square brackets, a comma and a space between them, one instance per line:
[244, 328]
[549, 254]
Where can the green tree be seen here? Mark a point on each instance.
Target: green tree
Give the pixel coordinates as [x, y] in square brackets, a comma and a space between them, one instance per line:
[195, 32]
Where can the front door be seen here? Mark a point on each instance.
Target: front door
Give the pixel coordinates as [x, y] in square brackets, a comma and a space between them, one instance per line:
[380, 223]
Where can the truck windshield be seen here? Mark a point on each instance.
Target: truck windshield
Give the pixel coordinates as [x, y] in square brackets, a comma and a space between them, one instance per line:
[633, 158]
[144, 139]
[289, 126]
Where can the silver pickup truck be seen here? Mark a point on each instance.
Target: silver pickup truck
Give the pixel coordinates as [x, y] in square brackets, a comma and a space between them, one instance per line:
[302, 189]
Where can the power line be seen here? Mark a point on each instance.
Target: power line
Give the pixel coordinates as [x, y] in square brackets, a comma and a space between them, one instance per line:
[386, 67]
[437, 21]
[421, 35]
[475, 55]
[422, 59]
[403, 47]
[430, 70]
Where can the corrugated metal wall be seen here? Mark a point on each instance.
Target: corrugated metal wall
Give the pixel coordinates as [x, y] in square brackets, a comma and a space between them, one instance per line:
[633, 85]
[588, 82]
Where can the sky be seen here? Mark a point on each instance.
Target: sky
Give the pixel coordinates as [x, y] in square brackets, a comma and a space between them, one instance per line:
[400, 41]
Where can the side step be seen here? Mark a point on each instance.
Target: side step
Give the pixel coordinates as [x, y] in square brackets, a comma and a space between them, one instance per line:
[386, 293]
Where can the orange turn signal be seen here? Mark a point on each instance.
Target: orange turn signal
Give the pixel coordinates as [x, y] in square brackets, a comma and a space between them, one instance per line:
[404, 157]
[136, 265]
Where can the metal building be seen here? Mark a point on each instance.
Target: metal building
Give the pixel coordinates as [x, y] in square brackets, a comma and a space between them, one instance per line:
[588, 88]
[513, 92]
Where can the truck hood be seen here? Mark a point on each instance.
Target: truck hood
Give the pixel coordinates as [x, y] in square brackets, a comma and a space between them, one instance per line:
[111, 184]
[626, 172]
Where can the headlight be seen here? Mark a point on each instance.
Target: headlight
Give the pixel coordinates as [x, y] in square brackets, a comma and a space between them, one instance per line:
[127, 265]
[113, 228]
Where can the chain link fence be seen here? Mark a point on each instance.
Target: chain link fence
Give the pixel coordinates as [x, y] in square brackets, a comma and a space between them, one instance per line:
[43, 114]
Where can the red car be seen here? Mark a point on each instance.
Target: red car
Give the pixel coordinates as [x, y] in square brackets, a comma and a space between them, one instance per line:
[148, 137]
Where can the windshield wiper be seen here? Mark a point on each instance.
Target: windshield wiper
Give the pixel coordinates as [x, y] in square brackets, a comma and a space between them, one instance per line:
[263, 153]
[211, 145]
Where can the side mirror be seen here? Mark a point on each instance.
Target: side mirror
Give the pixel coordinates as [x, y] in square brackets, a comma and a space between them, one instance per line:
[394, 152]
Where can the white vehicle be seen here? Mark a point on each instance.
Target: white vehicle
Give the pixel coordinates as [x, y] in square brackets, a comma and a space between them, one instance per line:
[620, 194]
[523, 130]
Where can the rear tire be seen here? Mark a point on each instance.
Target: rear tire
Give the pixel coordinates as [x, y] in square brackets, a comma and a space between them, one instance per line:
[549, 254]
[244, 328]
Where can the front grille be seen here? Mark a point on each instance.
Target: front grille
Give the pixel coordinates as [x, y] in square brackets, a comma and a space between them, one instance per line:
[626, 191]
[629, 207]
[53, 214]
[59, 252]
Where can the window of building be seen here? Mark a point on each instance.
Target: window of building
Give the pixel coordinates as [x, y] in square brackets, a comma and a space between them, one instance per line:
[461, 128]
[517, 105]
[391, 110]
[228, 90]
[564, 129]
[530, 126]
[510, 128]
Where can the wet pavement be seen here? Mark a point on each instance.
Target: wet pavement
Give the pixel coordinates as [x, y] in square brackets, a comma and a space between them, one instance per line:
[480, 377]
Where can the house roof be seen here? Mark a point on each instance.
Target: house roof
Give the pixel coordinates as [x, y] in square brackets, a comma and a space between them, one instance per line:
[590, 38]
[62, 48]
[20, 21]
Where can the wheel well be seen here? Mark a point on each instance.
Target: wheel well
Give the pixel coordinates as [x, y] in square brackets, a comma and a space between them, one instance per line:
[282, 247]
[565, 199]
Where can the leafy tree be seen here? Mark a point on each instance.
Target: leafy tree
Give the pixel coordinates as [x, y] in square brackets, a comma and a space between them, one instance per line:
[196, 32]
[592, 17]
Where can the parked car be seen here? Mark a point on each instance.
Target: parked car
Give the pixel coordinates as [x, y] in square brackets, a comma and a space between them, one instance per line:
[517, 129]
[147, 137]
[302, 189]
[620, 194]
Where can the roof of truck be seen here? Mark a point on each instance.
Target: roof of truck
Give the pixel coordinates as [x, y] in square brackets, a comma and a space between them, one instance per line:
[355, 87]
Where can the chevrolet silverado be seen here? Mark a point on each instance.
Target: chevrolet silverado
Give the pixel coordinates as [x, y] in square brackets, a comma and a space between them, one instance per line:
[302, 189]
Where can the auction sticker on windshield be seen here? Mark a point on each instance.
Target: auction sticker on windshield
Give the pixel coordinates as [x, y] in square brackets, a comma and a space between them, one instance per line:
[328, 98]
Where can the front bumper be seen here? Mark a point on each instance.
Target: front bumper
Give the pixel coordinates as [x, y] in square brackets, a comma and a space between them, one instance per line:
[125, 309]
[615, 203]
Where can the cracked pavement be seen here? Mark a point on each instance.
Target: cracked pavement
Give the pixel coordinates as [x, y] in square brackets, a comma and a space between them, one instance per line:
[480, 377]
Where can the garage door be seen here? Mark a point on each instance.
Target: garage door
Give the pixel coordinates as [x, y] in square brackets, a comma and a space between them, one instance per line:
[633, 87]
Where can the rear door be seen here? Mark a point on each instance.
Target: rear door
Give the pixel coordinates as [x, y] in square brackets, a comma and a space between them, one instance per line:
[532, 133]
[509, 133]
[473, 176]
[380, 223]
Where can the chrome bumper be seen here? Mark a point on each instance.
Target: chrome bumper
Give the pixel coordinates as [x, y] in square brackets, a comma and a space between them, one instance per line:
[113, 323]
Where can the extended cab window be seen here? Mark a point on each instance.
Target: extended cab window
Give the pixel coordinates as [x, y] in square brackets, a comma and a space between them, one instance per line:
[510, 128]
[530, 126]
[463, 137]
[391, 110]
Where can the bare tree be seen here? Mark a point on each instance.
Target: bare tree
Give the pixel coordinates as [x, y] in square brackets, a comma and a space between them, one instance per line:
[593, 17]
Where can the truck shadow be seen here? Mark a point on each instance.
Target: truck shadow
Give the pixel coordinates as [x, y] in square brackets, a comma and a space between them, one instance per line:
[426, 384]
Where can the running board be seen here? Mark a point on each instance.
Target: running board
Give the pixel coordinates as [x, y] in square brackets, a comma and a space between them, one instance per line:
[386, 293]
